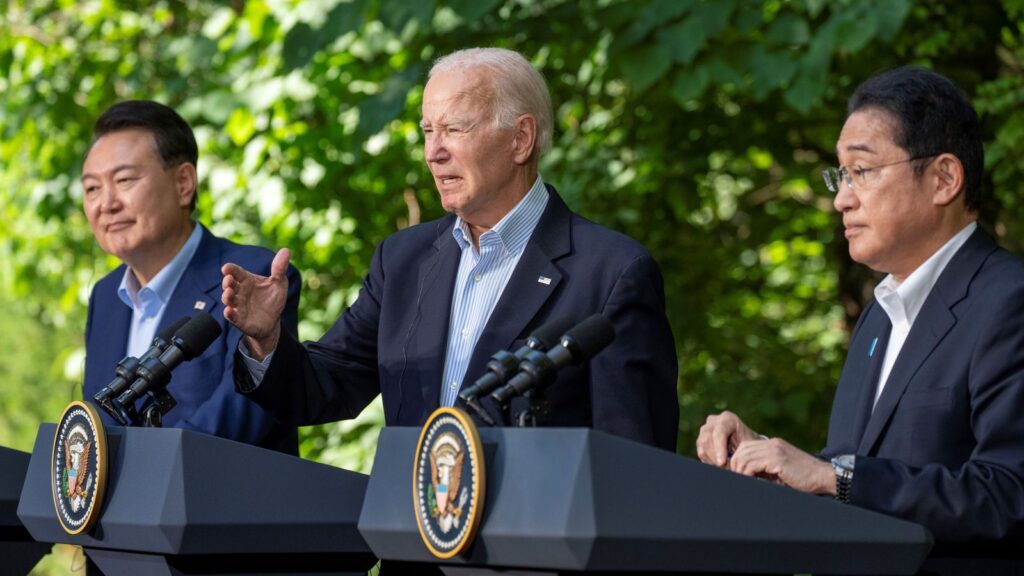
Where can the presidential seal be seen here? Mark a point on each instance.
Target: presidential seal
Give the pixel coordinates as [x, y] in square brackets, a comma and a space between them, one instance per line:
[78, 467]
[448, 482]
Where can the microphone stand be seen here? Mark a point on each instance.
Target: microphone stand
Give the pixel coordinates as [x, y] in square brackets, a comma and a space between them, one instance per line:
[153, 414]
[536, 409]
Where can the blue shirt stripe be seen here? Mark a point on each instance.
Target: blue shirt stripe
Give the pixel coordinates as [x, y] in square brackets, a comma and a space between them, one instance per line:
[481, 279]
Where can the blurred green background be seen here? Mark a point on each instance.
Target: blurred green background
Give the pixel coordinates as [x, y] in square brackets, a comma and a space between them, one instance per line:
[697, 127]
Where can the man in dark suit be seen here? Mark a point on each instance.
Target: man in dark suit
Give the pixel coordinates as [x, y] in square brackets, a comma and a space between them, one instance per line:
[441, 297]
[926, 424]
[139, 184]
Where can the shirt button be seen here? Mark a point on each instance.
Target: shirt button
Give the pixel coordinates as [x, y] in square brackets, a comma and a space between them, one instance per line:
[476, 278]
[465, 332]
[454, 385]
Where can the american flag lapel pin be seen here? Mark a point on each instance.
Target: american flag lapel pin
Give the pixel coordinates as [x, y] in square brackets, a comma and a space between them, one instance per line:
[544, 280]
[200, 305]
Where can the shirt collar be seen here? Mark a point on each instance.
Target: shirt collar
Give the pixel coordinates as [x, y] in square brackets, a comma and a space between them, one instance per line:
[149, 299]
[514, 229]
[903, 301]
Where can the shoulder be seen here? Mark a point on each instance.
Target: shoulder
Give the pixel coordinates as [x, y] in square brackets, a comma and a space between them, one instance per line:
[253, 258]
[107, 286]
[416, 238]
[605, 242]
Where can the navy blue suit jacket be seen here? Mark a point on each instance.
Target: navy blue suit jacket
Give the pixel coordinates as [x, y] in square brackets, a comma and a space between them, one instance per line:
[203, 387]
[944, 446]
[393, 339]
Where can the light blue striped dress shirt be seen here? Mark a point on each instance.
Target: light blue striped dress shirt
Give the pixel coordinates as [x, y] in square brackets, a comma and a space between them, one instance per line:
[481, 280]
[149, 302]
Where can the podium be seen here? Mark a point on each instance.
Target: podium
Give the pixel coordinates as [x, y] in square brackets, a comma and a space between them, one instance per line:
[572, 500]
[181, 502]
[19, 552]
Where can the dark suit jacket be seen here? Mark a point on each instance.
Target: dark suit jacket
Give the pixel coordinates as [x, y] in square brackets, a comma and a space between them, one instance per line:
[203, 387]
[945, 444]
[393, 339]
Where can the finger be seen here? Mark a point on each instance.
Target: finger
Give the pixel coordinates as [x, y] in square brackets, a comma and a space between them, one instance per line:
[280, 264]
[720, 437]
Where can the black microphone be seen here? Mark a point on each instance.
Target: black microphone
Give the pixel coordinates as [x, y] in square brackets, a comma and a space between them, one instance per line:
[503, 365]
[154, 374]
[129, 365]
[538, 370]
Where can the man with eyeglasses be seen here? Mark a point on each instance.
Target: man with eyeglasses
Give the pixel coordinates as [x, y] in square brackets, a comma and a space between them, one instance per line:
[928, 418]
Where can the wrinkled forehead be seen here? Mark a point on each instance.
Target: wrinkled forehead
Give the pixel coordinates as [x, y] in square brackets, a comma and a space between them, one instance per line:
[869, 130]
[457, 93]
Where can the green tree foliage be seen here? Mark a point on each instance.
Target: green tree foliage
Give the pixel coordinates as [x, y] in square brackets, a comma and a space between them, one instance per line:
[697, 127]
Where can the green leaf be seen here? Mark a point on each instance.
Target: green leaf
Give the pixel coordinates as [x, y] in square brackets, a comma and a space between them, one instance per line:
[395, 14]
[377, 110]
[241, 126]
[788, 29]
[890, 17]
[769, 70]
[690, 83]
[644, 66]
[303, 41]
[656, 14]
[469, 10]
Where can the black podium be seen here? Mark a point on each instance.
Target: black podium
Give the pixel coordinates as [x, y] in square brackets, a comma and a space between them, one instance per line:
[570, 500]
[180, 502]
[19, 552]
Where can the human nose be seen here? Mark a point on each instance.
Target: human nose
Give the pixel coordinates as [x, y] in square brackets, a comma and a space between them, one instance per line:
[434, 148]
[846, 196]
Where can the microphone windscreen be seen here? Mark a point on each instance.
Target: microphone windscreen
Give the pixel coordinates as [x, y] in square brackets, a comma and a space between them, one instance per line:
[548, 335]
[197, 334]
[590, 336]
[167, 333]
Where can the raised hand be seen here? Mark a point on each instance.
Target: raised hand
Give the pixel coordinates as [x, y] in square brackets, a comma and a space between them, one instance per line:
[254, 303]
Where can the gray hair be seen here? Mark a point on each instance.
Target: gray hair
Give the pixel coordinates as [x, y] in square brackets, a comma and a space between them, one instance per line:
[518, 88]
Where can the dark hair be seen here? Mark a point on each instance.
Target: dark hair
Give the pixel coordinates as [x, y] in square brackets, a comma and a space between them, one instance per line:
[175, 142]
[932, 117]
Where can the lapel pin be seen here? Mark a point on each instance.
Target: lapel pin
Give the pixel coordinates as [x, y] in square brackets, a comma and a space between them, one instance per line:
[544, 280]
[871, 352]
[199, 305]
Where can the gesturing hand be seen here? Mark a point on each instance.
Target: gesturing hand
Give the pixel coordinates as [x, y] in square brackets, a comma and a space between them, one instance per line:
[254, 303]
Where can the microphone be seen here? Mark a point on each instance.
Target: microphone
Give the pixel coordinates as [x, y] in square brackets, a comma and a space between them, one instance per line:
[578, 345]
[129, 365]
[503, 365]
[154, 374]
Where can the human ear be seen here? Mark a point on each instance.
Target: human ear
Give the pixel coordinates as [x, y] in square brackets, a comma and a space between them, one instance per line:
[948, 178]
[186, 181]
[525, 139]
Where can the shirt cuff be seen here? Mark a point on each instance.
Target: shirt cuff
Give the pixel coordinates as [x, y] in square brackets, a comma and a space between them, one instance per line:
[255, 367]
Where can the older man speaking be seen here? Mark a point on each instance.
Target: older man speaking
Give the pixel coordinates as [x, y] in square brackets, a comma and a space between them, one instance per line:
[442, 296]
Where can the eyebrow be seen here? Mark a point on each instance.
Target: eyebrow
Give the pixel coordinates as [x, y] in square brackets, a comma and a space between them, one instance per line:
[114, 170]
[858, 148]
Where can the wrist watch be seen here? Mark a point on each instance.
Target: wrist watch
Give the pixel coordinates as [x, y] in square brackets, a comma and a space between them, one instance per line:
[843, 467]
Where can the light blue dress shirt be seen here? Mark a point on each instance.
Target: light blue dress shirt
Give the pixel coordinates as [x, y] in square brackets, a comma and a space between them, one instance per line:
[149, 302]
[482, 277]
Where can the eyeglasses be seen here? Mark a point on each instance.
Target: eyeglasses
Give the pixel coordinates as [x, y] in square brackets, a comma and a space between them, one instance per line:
[856, 176]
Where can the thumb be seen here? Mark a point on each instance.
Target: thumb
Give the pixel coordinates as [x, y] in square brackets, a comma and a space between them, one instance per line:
[280, 264]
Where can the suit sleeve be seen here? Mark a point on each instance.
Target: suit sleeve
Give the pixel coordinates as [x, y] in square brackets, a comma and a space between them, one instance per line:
[332, 379]
[633, 381]
[983, 497]
[228, 414]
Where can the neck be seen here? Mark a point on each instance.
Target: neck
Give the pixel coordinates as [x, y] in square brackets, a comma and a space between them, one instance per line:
[943, 234]
[501, 206]
[148, 265]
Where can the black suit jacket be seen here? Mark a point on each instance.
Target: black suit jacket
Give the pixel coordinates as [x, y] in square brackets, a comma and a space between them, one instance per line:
[944, 446]
[393, 339]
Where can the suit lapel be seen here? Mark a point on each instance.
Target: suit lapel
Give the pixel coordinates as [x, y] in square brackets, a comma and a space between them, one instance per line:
[933, 322]
[879, 327]
[110, 333]
[532, 283]
[198, 286]
[437, 282]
